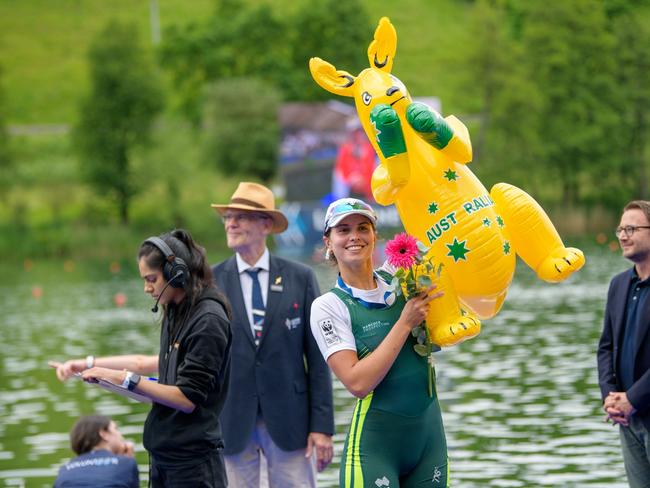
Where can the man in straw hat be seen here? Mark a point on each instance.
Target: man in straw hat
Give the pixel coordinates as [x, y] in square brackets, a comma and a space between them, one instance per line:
[279, 403]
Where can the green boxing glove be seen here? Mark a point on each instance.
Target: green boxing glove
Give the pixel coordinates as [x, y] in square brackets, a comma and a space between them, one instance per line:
[388, 130]
[429, 125]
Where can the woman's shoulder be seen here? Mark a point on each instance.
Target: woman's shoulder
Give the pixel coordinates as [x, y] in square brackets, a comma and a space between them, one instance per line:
[209, 306]
[327, 298]
[329, 307]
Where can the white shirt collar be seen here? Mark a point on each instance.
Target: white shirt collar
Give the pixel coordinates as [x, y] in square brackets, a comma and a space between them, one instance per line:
[263, 262]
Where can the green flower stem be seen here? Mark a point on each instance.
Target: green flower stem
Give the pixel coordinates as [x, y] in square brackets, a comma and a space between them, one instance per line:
[412, 287]
[430, 367]
[429, 360]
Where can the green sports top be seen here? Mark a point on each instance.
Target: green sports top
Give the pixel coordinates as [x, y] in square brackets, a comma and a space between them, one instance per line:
[404, 389]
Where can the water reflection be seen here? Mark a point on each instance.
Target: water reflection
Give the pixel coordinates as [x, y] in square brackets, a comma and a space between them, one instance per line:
[520, 403]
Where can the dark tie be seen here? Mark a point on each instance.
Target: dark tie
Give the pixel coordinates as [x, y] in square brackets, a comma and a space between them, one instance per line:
[258, 306]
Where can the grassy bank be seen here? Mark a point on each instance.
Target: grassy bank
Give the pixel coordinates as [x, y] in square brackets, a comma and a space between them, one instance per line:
[44, 45]
[51, 212]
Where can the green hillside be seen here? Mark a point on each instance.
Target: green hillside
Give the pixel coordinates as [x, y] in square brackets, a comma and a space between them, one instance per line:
[43, 45]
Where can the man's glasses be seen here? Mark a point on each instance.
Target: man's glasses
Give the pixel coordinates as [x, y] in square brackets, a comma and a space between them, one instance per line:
[242, 217]
[629, 230]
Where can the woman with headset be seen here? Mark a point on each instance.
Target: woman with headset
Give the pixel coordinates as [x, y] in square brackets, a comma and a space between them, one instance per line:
[182, 431]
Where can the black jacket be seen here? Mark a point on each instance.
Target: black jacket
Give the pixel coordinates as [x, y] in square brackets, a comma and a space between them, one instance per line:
[285, 377]
[610, 344]
[195, 356]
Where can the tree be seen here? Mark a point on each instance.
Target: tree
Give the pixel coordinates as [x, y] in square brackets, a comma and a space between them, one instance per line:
[493, 77]
[569, 52]
[241, 126]
[336, 31]
[237, 41]
[241, 40]
[6, 162]
[117, 115]
[633, 56]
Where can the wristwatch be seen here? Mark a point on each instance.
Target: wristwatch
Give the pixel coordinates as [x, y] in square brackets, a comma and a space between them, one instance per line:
[134, 379]
[131, 380]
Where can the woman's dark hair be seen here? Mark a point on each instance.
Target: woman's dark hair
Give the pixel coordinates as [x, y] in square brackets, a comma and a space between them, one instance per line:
[183, 246]
[84, 436]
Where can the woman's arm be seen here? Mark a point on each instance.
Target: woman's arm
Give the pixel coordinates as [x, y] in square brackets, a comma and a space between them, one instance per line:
[137, 363]
[168, 395]
[360, 377]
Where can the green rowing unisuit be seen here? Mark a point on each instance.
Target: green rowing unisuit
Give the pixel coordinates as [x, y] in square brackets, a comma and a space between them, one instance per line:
[396, 436]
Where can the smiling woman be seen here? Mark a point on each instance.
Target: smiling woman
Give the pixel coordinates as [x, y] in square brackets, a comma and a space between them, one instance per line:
[182, 431]
[364, 332]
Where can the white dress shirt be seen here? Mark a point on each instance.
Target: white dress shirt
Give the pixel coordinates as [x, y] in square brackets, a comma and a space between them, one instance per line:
[246, 282]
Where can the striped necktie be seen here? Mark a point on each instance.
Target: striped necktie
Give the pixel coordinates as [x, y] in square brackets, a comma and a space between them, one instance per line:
[257, 305]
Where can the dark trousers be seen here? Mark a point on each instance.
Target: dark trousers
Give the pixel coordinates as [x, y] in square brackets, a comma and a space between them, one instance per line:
[209, 472]
[635, 442]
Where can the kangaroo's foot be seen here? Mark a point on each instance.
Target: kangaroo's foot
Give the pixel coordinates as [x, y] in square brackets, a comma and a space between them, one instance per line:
[560, 264]
[533, 235]
[455, 331]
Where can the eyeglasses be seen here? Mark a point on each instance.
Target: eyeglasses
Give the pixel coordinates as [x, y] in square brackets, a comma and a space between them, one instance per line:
[242, 217]
[629, 230]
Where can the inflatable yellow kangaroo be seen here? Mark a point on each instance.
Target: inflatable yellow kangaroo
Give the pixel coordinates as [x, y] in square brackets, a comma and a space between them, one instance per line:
[473, 233]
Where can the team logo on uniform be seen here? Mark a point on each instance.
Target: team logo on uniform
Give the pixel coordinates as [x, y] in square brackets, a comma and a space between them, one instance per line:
[436, 475]
[382, 482]
[329, 334]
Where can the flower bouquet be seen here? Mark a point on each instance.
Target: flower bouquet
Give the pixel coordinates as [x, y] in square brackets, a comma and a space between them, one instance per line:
[413, 276]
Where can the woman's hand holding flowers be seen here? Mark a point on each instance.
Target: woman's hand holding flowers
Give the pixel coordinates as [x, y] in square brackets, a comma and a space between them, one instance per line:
[413, 279]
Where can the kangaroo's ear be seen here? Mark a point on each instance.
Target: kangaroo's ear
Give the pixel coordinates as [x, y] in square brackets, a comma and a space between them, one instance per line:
[333, 80]
[381, 51]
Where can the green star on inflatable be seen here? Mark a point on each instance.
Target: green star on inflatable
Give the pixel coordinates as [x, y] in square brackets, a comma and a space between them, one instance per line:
[451, 175]
[457, 250]
[433, 208]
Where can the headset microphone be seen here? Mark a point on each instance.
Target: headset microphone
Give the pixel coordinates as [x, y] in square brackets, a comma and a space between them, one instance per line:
[177, 275]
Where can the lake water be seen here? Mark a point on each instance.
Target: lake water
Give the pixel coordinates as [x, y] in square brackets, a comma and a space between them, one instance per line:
[520, 403]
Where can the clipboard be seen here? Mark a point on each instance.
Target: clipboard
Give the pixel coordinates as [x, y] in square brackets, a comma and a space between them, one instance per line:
[119, 389]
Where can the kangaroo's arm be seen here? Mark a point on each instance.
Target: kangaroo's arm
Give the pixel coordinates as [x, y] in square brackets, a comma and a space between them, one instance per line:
[394, 169]
[448, 135]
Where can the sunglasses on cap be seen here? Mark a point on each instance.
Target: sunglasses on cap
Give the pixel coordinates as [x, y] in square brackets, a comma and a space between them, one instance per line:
[347, 206]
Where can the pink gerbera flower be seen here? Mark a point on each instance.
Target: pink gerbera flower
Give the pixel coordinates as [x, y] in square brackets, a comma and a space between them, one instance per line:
[402, 250]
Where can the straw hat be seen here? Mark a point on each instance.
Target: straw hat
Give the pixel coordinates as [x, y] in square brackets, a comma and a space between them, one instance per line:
[256, 198]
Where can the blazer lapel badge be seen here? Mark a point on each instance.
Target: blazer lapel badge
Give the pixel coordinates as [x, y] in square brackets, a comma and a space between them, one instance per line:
[277, 284]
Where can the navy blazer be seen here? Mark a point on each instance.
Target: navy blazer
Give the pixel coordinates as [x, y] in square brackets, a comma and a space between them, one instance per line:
[610, 345]
[286, 377]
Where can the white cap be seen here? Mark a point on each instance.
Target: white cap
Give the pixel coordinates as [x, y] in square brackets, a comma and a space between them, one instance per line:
[343, 207]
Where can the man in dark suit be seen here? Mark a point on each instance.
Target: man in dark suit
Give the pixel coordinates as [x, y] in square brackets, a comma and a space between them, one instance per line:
[279, 403]
[624, 348]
